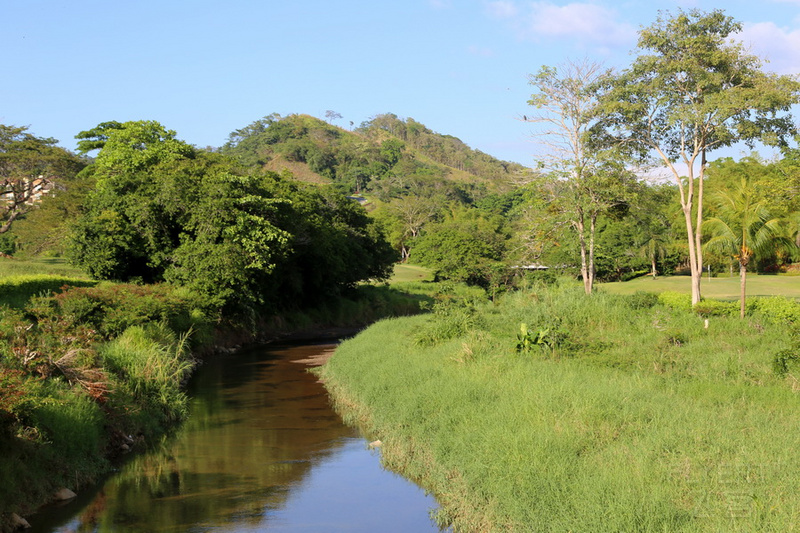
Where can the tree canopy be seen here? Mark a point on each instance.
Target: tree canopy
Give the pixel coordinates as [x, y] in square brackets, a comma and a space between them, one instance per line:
[163, 211]
[690, 91]
[30, 166]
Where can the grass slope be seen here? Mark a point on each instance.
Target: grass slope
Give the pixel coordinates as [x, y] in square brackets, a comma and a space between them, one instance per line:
[637, 420]
[52, 266]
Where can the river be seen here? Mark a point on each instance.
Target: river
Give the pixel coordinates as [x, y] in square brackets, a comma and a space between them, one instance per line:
[262, 450]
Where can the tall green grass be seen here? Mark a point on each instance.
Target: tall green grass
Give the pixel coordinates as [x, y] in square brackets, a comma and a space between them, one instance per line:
[639, 419]
[151, 364]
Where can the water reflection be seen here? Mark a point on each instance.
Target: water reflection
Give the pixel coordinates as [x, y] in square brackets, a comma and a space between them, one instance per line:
[262, 450]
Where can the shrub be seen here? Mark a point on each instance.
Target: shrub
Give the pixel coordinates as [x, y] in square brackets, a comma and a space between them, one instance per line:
[454, 317]
[675, 300]
[717, 308]
[785, 361]
[627, 276]
[778, 309]
[549, 337]
[641, 300]
[112, 308]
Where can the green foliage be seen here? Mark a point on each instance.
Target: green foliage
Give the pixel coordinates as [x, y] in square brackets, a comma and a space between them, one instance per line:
[778, 309]
[786, 361]
[242, 241]
[465, 247]
[383, 155]
[707, 307]
[136, 146]
[641, 300]
[30, 166]
[69, 422]
[110, 309]
[45, 229]
[675, 300]
[548, 337]
[151, 364]
[455, 315]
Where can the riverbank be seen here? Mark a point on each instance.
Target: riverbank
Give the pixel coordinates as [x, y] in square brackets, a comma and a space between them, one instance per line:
[609, 413]
[92, 373]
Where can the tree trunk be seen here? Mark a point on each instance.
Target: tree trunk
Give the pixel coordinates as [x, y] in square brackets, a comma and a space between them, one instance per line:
[592, 228]
[742, 288]
[695, 268]
[587, 284]
[653, 267]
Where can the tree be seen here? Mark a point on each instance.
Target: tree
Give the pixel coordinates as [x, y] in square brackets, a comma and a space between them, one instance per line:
[589, 180]
[692, 90]
[409, 214]
[743, 228]
[332, 115]
[467, 246]
[163, 211]
[30, 166]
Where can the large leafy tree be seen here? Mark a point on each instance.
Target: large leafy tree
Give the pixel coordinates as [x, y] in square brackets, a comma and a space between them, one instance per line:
[692, 90]
[743, 228]
[30, 166]
[163, 211]
[466, 246]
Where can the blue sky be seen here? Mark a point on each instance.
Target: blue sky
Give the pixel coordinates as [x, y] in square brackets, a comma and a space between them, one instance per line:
[206, 68]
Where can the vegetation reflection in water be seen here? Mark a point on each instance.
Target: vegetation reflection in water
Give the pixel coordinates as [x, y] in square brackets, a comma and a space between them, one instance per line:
[260, 425]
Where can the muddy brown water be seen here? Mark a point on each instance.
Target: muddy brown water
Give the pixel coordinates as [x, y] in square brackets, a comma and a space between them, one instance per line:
[262, 450]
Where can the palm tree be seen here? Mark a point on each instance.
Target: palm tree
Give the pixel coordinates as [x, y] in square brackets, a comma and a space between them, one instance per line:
[743, 228]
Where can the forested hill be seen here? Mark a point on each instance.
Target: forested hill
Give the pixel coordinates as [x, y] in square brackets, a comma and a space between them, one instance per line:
[381, 155]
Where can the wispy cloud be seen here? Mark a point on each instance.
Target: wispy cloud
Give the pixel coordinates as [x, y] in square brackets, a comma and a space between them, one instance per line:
[440, 4]
[780, 46]
[581, 22]
[502, 9]
[480, 51]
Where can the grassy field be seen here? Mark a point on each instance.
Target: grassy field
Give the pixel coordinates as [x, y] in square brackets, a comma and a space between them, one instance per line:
[616, 416]
[723, 288]
[404, 273]
[54, 266]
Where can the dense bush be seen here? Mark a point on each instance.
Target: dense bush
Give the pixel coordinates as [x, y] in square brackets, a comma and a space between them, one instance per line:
[777, 309]
[675, 300]
[110, 308]
[716, 308]
[244, 240]
[641, 300]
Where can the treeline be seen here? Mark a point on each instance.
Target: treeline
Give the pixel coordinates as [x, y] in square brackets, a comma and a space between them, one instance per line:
[151, 208]
[642, 233]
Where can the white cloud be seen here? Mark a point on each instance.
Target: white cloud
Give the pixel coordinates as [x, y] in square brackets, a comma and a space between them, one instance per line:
[780, 46]
[580, 22]
[502, 9]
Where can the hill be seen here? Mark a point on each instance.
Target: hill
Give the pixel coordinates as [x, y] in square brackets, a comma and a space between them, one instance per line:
[386, 155]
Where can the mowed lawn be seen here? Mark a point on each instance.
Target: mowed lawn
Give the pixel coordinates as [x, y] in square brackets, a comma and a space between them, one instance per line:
[404, 272]
[52, 266]
[723, 288]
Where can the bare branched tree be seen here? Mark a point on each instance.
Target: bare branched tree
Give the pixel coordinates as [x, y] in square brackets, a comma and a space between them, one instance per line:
[586, 181]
